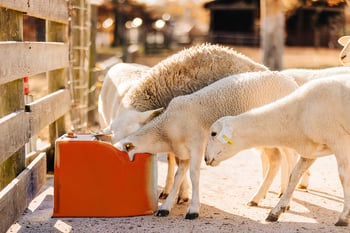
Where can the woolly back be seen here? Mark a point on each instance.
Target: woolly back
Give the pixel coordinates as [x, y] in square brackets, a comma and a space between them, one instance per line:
[186, 72]
[231, 96]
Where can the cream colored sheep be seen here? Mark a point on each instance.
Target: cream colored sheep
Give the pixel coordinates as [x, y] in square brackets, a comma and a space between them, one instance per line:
[301, 76]
[287, 158]
[117, 82]
[184, 125]
[314, 120]
[344, 56]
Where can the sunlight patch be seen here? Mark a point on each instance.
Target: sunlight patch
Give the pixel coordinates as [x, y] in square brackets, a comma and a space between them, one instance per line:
[63, 227]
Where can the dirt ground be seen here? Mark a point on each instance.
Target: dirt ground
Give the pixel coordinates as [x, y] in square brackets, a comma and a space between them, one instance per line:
[224, 190]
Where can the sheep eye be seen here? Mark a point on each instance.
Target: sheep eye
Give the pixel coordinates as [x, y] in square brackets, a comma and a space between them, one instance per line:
[213, 134]
[128, 146]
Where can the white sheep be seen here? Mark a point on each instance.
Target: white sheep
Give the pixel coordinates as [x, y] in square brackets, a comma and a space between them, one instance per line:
[314, 120]
[344, 56]
[301, 76]
[117, 82]
[183, 127]
[132, 94]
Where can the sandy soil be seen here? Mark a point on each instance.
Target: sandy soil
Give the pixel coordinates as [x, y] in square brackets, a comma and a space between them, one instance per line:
[225, 190]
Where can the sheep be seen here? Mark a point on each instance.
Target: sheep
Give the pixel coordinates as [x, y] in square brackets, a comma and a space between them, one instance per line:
[301, 76]
[287, 158]
[117, 82]
[183, 127]
[344, 56]
[314, 120]
[131, 94]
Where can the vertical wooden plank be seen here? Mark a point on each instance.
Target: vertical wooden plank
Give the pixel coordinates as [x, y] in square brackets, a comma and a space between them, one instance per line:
[11, 94]
[272, 33]
[81, 25]
[92, 106]
[55, 32]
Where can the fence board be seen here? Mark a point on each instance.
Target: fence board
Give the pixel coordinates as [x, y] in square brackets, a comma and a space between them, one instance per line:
[16, 196]
[55, 10]
[14, 131]
[42, 112]
[20, 59]
[48, 109]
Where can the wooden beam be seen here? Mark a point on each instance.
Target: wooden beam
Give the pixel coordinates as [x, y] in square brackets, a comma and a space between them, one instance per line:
[48, 109]
[16, 196]
[56, 80]
[20, 59]
[11, 94]
[54, 10]
[14, 131]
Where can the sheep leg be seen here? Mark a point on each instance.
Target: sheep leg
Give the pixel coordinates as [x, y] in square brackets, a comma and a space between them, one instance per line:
[183, 193]
[302, 165]
[343, 161]
[270, 161]
[289, 159]
[170, 176]
[195, 165]
[265, 162]
[304, 183]
[170, 200]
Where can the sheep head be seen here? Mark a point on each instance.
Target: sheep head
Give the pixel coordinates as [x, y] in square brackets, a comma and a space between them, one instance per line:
[221, 143]
[147, 139]
[130, 120]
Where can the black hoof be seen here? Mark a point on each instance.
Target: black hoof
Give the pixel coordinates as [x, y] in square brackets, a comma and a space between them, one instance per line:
[191, 216]
[272, 218]
[163, 195]
[181, 200]
[252, 203]
[341, 223]
[162, 213]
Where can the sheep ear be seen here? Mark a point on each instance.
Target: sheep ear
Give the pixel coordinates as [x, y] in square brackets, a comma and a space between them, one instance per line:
[149, 115]
[343, 40]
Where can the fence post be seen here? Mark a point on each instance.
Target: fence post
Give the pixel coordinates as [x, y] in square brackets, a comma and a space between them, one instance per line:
[11, 94]
[55, 32]
[92, 105]
[80, 25]
[272, 33]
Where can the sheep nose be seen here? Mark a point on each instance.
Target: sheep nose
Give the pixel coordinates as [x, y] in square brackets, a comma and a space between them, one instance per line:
[207, 160]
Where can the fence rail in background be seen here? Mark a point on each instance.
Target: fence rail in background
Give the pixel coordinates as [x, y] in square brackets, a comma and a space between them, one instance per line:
[22, 177]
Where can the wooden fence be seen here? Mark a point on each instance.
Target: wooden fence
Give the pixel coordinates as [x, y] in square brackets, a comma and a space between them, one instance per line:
[22, 174]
